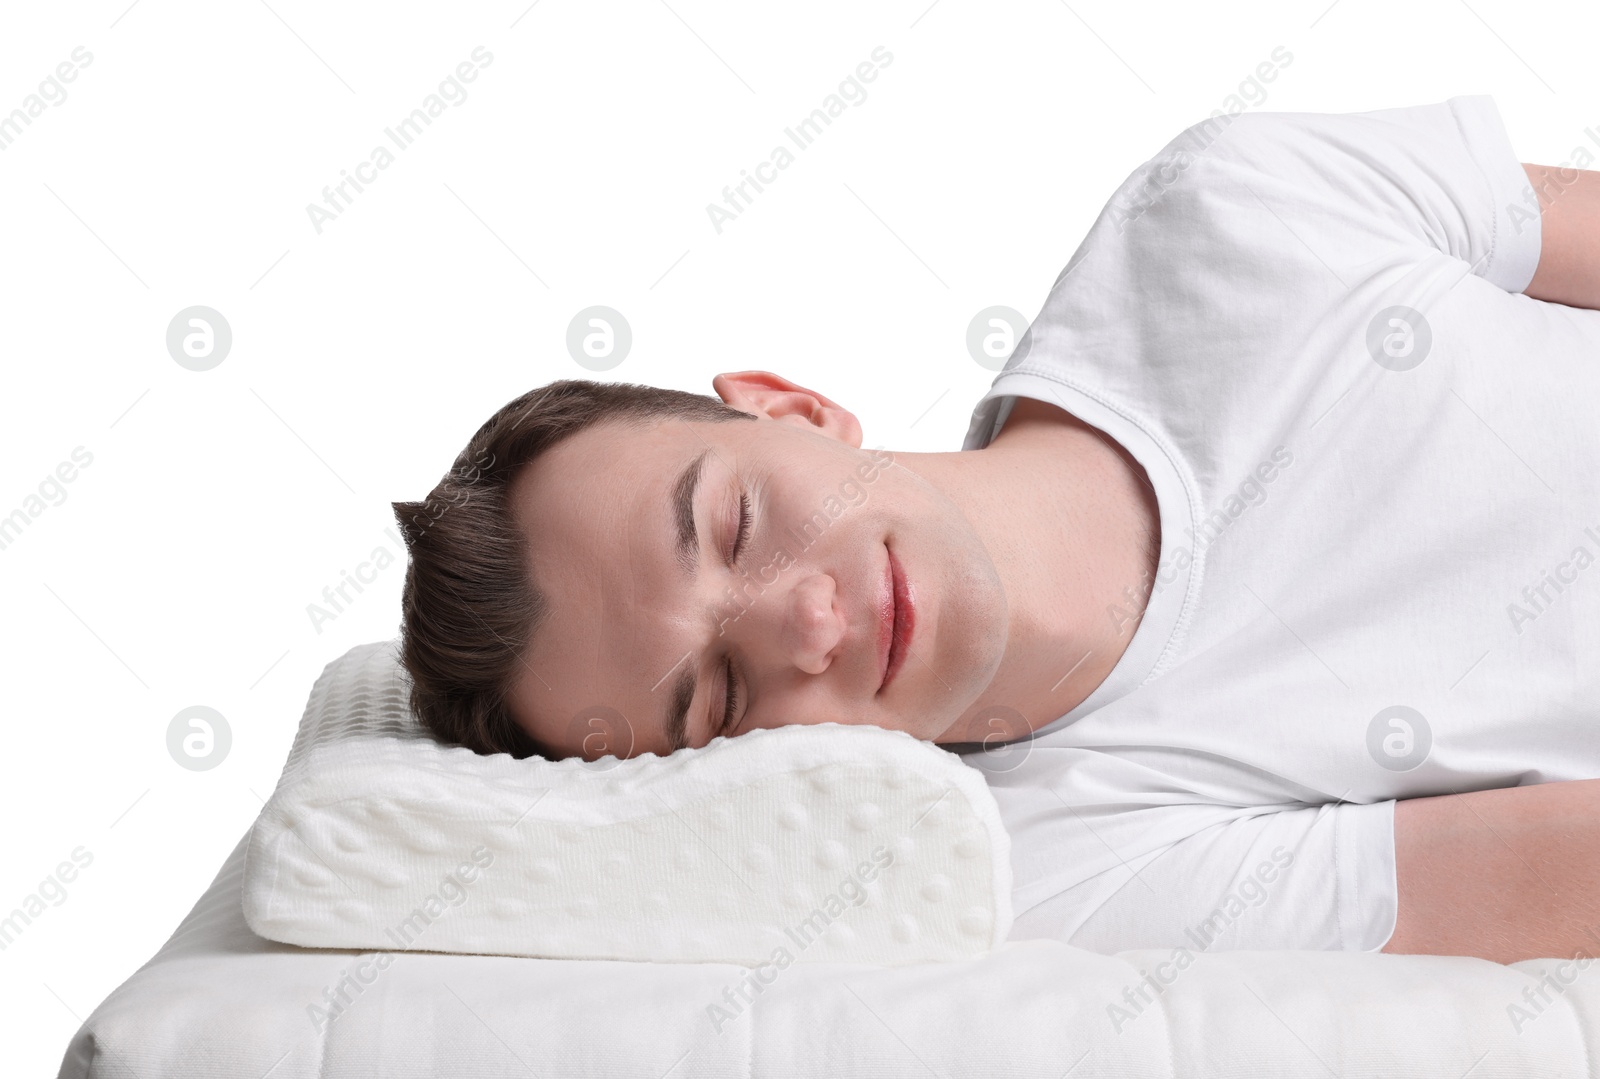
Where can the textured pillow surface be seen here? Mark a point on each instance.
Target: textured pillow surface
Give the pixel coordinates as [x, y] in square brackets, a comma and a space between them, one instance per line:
[802, 843]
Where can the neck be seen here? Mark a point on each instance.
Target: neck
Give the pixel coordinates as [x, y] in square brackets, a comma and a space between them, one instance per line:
[1072, 527]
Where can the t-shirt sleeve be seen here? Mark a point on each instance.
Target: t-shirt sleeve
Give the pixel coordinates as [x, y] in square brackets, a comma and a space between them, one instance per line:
[1442, 175]
[1318, 877]
[1245, 246]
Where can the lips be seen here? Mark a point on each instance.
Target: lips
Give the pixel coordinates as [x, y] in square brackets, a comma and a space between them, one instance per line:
[897, 616]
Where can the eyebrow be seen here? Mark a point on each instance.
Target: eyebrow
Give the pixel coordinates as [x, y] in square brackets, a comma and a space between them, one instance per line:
[687, 547]
[688, 539]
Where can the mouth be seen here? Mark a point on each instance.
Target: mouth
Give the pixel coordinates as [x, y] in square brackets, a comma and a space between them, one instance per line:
[897, 616]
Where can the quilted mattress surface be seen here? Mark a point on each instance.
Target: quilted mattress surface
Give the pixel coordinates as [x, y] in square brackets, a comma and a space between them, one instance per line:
[219, 1001]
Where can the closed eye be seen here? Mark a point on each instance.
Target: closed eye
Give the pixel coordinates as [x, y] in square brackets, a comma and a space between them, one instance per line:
[730, 708]
[731, 702]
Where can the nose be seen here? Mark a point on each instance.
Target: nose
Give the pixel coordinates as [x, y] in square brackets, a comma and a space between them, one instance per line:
[812, 629]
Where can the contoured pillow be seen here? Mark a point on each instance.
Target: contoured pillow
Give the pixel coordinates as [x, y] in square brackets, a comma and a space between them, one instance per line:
[802, 843]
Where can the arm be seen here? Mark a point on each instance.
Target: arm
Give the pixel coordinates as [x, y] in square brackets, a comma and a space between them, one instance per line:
[1505, 874]
[1569, 233]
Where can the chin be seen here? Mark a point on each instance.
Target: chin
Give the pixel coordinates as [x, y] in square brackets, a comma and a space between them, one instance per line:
[967, 652]
[963, 614]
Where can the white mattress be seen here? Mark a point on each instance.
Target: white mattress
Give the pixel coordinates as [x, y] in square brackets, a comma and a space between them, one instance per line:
[218, 1002]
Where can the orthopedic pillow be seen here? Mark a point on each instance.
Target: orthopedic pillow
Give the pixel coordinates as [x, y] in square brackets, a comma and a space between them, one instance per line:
[816, 843]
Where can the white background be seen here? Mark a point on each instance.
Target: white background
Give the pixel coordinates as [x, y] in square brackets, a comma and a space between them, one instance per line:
[219, 504]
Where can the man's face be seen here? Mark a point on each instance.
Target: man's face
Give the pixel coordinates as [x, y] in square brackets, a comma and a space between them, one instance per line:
[656, 599]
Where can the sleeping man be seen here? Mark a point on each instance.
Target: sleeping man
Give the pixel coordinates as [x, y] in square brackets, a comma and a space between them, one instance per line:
[1264, 589]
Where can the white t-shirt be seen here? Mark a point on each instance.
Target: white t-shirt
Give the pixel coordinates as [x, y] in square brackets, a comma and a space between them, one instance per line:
[1359, 509]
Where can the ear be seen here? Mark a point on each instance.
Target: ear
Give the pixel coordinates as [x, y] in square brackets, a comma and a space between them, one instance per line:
[763, 393]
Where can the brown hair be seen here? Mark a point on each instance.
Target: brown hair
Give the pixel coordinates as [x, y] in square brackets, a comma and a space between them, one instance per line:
[470, 607]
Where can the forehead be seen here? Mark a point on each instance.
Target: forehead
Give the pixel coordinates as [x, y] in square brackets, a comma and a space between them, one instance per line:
[604, 494]
[596, 510]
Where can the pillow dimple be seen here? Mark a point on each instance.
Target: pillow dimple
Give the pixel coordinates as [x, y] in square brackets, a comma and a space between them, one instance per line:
[971, 844]
[380, 810]
[975, 922]
[423, 839]
[649, 826]
[384, 876]
[832, 855]
[508, 907]
[758, 858]
[864, 816]
[822, 780]
[936, 889]
[905, 848]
